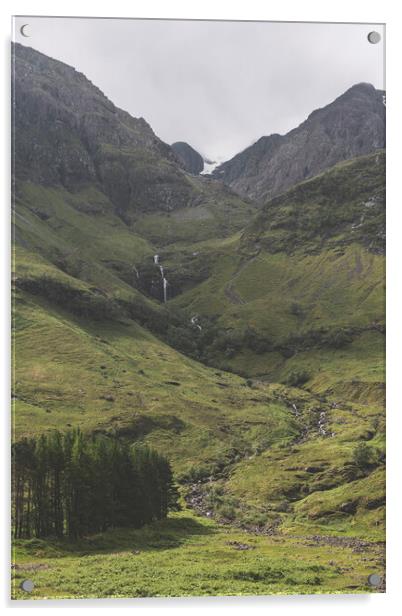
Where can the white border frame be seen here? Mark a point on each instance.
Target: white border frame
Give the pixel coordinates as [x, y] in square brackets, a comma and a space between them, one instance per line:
[367, 11]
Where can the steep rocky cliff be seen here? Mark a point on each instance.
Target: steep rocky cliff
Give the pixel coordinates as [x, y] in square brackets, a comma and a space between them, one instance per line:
[68, 133]
[68, 121]
[191, 160]
[353, 125]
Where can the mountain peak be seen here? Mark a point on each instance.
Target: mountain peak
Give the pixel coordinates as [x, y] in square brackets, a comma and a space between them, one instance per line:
[352, 125]
[359, 90]
[190, 159]
[362, 86]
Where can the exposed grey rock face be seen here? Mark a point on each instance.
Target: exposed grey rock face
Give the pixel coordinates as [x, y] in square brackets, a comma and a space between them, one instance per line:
[69, 121]
[68, 133]
[353, 125]
[191, 160]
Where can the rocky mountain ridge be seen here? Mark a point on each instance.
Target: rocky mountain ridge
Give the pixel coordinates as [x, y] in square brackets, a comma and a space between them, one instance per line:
[352, 125]
[69, 134]
[68, 120]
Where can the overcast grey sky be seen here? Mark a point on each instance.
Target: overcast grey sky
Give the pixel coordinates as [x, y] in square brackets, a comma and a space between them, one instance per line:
[217, 85]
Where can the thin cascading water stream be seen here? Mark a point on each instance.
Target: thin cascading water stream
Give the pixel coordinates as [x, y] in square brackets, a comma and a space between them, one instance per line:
[137, 274]
[165, 284]
[164, 281]
[194, 321]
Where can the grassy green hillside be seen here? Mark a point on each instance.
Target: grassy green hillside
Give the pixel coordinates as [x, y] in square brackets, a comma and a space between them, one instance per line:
[115, 377]
[303, 286]
[309, 313]
[250, 453]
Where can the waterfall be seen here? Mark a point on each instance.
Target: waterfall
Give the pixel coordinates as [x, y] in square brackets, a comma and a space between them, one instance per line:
[164, 281]
[194, 321]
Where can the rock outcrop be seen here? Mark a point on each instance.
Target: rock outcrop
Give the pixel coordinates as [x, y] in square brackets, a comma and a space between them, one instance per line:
[191, 160]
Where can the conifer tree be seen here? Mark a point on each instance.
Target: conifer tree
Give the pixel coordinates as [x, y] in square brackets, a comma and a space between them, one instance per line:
[72, 484]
